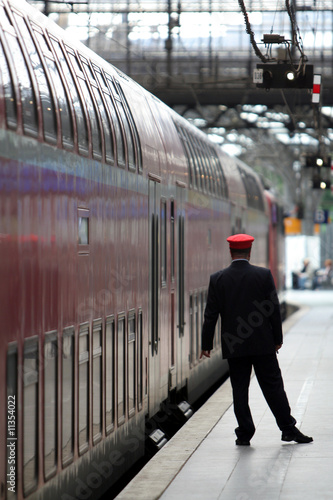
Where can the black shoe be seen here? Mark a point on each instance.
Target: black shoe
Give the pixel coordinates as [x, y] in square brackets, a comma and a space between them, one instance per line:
[242, 442]
[294, 434]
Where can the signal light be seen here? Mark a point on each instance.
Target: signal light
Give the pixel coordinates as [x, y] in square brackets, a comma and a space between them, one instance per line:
[318, 183]
[290, 76]
[318, 161]
[283, 76]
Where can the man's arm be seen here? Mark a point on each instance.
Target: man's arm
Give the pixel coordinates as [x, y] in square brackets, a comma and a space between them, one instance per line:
[210, 318]
[275, 316]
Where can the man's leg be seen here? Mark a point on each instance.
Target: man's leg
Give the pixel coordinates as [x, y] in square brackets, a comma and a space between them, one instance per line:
[240, 374]
[270, 380]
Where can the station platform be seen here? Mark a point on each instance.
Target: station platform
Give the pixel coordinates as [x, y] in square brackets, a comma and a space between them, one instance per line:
[202, 462]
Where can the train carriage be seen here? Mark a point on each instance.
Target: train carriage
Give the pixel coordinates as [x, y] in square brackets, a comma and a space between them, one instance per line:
[114, 212]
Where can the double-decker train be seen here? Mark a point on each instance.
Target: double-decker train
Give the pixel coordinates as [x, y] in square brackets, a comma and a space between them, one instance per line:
[114, 212]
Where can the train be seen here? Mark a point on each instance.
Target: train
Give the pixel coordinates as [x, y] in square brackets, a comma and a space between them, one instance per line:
[114, 213]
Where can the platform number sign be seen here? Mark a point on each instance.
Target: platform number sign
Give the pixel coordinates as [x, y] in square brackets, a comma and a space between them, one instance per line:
[258, 76]
[321, 216]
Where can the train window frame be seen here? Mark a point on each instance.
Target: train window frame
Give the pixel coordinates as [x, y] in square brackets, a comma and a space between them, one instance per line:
[197, 165]
[172, 240]
[118, 125]
[41, 39]
[108, 138]
[69, 140]
[80, 68]
[121, 368]
[6, 21]
[163, 245]
[224, 184]
[31, 377]
[88, 71]
[83, 230]
[131, 363]
[27, 102]
[65, 113]
[97, 380]
[110, 111]
[96, 137]
[81, 132]
[133, 129]
[68, 365]
[83, 416]
[197, 329]
[139, 359]
[48, 110]
[50, 382]
[12, 413]
[10, 97]
[109, 373]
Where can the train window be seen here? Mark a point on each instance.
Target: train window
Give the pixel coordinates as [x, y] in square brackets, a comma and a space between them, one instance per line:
[211, 170]
[132, 137]
[67, 379]
[12, 417]
[83, 388]
[50, 403]
[81, 125]
[131, 362]
[83, 226]
[65, 115]
[253, 193]
[197, 166]
[215, 172]
[134, 129]
[172, 240]
[5, 20]
[117, 127]
[223, 182]
[49, 117]
[42, 42]
[196, 336]
[193, 166]
[30, 415]
[101, 79]
[109, 374]
[121, 370]
[202, 170]
[28, 101]
[108, 139]
[163, 242]
[191, 330]
[140, 366]
[8, 90]
[117, 130]
[87, 68]
[75, 63]
[94, 123]
[97, 372]
[187, 151]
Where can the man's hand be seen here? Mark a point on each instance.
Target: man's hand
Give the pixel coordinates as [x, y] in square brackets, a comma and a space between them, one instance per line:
[277, 347]
[205, 353]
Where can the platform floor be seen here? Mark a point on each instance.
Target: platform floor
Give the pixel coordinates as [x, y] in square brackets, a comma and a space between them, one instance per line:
[202, 462]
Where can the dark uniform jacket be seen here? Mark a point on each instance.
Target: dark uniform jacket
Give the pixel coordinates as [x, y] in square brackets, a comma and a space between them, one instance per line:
[245, 297]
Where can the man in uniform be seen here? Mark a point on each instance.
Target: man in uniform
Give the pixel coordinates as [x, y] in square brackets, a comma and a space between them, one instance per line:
[245, 296]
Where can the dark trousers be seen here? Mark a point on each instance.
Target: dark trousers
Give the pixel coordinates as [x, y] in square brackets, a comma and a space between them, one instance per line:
[269, 376]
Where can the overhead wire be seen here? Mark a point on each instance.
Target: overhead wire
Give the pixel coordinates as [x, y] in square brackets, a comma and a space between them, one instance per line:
[251, 34]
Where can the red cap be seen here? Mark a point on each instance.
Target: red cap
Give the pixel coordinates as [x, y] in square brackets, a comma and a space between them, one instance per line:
[240, 241]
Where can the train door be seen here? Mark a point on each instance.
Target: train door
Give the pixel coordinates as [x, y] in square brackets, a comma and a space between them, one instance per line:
[154, 296]
[180, 284]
